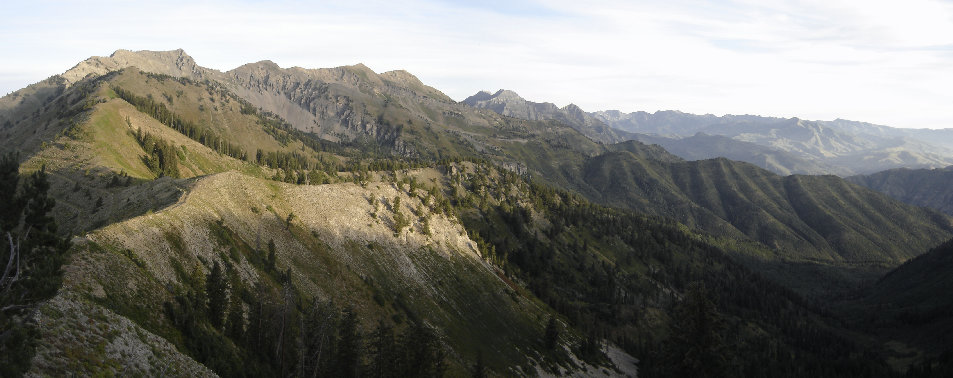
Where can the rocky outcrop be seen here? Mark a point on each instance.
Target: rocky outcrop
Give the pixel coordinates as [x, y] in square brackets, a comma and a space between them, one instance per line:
[510, 104]
[174, 63]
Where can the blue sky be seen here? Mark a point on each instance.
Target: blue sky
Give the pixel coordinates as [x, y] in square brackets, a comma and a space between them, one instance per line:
[886, 62]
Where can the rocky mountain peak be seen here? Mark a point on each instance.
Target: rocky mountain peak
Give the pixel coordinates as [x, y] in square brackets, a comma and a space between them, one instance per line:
[402, 77]
[574, 109]
[503, 97]
[173, 62]
[506, 95]
[261, 66]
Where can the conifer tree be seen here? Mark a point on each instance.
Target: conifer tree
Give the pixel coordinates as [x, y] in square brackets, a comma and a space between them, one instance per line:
[350, 350]
[382, 354]
[235, 324]
[216, 288]
[696, 347]
[271, 254]
[30, 258]
[316, 341]
[479, 370]
[552, 333]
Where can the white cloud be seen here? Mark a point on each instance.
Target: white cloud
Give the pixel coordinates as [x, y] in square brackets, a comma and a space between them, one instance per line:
[879, 61]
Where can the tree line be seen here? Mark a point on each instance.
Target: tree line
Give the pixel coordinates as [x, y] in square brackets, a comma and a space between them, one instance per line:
[611, 272]
[31, 257]
[161, 156]
[161, 113]
[270, 329]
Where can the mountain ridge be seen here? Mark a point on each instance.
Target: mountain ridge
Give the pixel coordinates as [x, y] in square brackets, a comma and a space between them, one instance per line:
[509, 103]
[354, 85]
[920, 187]
[422, 213]
[855, 147]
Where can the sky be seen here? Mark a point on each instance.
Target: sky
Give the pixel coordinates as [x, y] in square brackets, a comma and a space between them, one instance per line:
[884, 62]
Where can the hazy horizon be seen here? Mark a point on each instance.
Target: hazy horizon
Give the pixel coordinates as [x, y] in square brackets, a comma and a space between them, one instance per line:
[880, 62]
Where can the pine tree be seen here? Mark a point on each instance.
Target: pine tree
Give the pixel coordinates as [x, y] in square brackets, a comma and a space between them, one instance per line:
[479, 370]
[551, 336]
[350, 351]
[216, 287]
[382, 353]
[289, 219]
[271, 254]
[422, 353]
[10, 204]
[235, 324]
[34, 251]
[316, 341]
[695, 346]
[32, 255]
[254, 333]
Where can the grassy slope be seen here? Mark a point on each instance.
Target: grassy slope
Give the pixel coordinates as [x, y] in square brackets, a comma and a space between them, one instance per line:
[127, 266]
[97, 160]
[335, 250]
[205, 105]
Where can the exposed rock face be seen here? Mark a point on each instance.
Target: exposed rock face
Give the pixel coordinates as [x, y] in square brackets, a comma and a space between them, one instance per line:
[312, 100]
[174, 63]
[69, 323]
[317, 101]
[322, 101]
[508, 103]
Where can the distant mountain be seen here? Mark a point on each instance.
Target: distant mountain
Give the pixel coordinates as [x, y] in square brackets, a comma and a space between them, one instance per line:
[938, 137]
[510, 104]
[822, 220]
[817, 218]
[931, 188]
[702, 146]
[845, 147]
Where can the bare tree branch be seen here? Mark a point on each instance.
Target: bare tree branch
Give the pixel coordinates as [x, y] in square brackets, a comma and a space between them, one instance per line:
[14, 307]
[14, 252]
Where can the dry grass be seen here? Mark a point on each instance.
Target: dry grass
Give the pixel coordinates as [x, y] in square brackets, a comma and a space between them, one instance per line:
[85, 339]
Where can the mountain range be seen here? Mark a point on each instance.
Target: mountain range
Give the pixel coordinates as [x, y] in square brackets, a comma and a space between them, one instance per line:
[785, 146]
[921, 187]
[291, 221]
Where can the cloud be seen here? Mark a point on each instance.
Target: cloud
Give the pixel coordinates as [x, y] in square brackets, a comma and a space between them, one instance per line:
[878, 61]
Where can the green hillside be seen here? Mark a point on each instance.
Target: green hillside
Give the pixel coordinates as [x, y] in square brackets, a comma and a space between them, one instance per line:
[801, 219]
[823, 227]
[920, 187]
[336, 248]
[911, 310]
[155, 225]
[339, 222]
[624, 276]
